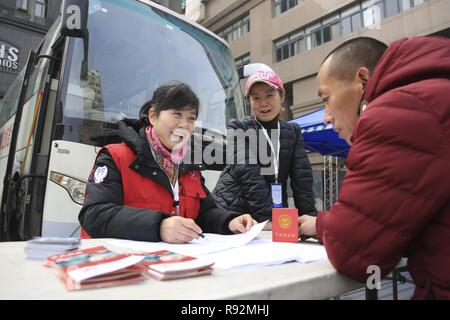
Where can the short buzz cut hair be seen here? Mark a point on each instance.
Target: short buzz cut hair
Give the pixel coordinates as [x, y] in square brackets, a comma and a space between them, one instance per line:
[353, 54]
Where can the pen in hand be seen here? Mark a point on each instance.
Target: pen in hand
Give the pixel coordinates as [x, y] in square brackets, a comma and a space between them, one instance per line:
[202, 235]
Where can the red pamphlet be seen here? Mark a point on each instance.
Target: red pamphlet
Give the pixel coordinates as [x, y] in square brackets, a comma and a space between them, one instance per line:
[285, 225]
[96, 267]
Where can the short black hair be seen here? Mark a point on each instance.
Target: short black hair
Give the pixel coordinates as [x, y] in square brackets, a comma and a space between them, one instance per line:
[353, 54]
[172, 95]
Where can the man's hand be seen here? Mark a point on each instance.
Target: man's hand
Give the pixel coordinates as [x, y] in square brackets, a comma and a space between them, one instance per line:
[307, 226]
[179, 230]
[242, 223]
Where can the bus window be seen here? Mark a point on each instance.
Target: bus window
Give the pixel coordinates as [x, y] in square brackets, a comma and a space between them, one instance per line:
[8, 105]
[140, 49]
[37, 72]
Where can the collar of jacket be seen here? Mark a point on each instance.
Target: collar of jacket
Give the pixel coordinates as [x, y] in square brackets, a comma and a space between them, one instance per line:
[249, 122]
[272, 124]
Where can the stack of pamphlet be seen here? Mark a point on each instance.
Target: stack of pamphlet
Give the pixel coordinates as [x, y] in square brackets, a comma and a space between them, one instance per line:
[100, 267]
[167, 265]
[97, 267]
[40, 248]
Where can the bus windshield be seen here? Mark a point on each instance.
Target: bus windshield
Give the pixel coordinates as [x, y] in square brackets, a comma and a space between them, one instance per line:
[134, 48]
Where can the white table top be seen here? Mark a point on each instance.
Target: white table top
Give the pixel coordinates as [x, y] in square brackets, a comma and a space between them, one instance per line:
[28, 279]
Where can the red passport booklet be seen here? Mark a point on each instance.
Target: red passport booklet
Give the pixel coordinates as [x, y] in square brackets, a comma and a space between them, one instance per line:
[165, 265]
[285, 225]
[96, 267]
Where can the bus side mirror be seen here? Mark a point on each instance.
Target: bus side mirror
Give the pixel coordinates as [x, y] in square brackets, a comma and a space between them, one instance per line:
[74, 14]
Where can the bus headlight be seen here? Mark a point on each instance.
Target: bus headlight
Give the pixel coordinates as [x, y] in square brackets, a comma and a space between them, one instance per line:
[74, 187]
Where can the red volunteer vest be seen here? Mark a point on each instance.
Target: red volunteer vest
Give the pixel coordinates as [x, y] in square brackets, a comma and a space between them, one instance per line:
[143, 192]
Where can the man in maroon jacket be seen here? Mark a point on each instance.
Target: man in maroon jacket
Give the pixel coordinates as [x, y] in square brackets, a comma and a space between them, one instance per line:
[393, 106]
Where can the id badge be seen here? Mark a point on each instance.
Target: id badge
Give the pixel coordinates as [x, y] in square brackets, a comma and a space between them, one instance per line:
[277, 199]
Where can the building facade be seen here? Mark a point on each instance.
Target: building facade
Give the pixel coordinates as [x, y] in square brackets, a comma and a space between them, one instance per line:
[294, 36]
[174, 5]
[23, 24]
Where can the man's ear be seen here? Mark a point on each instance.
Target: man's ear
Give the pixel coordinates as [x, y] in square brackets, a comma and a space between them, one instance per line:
[363, 75]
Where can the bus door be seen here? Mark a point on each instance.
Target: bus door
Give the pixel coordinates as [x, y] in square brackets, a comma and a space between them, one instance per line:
[11, 115]
[25, 172]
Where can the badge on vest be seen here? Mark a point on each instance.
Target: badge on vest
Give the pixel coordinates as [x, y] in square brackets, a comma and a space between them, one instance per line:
[100, 174]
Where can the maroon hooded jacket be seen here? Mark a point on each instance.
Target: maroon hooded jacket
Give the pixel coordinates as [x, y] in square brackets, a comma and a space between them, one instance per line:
[395, 198]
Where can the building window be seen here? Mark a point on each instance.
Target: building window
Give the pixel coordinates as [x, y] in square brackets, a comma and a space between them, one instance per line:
[280, 6]
[371, 14]
[41, 8]
[240, 63]
[282, 49]
[22, 4]
[297, 43]
[356, 21]
[374, 11]
[236, 30]
[331, 28]
[313, 36]
[290, 46]
[391, 8]
[408, 4]
[364, 14]
[351, 19]
[405, 4]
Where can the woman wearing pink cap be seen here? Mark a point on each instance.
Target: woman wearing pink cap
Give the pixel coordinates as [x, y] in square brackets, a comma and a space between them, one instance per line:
[256, 185]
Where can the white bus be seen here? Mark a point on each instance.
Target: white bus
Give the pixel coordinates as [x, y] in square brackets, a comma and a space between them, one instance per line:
[85, 76]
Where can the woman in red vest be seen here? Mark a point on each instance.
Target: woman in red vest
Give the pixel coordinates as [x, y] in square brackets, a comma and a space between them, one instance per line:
[140, 190]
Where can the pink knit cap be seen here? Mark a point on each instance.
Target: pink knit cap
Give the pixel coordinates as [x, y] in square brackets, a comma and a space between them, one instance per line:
[268, 77]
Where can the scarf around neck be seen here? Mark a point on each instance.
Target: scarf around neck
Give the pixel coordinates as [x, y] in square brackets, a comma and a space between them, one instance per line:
[168, 160]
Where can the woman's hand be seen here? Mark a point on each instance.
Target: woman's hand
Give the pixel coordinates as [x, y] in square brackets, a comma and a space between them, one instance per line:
[179, 230]
[242, 223]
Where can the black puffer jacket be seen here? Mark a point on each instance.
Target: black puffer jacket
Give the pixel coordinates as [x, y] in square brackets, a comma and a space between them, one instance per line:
[242, 188]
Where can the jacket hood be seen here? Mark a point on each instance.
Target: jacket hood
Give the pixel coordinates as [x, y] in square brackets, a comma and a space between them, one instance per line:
[409, 60]
[130, 133]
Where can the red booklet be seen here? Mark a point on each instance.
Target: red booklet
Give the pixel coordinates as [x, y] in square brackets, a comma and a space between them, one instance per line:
[162, 256]
[166, 265]
[96, 267]
[285, 225]
[100, 267]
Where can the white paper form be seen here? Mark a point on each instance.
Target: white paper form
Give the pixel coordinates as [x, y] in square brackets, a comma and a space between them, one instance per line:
[211, 243]
[261, 252]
